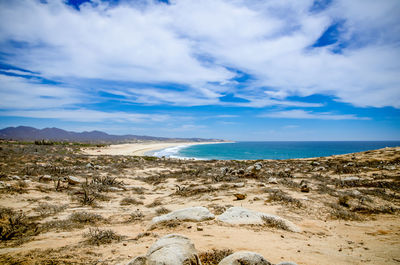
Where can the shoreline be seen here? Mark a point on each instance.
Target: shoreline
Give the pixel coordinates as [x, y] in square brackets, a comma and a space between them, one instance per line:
[139, 149]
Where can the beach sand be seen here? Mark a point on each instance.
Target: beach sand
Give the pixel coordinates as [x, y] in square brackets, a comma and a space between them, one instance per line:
[350, 215]
[137, 149]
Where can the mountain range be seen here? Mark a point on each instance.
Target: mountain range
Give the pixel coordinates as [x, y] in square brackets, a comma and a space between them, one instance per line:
[26, 133]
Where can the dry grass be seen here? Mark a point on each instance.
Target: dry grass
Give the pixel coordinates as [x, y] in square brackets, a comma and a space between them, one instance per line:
[96, 236]
[130, 201]
[214, 256]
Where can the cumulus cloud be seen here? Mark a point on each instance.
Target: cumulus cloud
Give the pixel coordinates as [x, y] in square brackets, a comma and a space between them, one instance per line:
[202, 45]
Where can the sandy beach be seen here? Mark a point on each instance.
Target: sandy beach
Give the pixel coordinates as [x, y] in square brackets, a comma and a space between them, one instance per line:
[74, 208]
[137, 149]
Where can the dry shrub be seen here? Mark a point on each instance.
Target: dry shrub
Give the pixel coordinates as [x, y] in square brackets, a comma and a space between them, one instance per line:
[155, 203]
[16, 225]
[338, 212]
[85, 217]
[280, 196]
[136, 216]
[96, 236]
[214, 256]
[162, 210]
[274, 223]
[47, 209]
[130, 201]
[344, 201]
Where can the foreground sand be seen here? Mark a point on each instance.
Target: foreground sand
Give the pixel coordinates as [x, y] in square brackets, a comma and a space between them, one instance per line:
[137, 149]
[349, 216]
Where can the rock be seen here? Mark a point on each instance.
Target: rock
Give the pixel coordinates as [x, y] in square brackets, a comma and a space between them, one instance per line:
[241, 171]
[304, 186]
[16, 177]
[196, 214]
[286, 263]
[287, 170]
[224, 170]
[115, 189]
[139, 260]
[73, 180]
[239, 185]
[240, 196]
[239, 215]
[45, 178]
[244, 257]
[272, 181]
[351, 179]
[89, 165]
[314, 163]
[250, 169]
[172, 249]
[258, 166]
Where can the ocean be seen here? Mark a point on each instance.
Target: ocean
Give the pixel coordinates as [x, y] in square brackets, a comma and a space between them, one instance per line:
[271, 150]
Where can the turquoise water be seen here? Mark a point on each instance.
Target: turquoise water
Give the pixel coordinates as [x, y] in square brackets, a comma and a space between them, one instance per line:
[272, 150]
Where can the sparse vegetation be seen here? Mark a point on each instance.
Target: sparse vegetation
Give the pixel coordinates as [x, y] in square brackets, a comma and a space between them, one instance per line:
[214, 256]
[130, 201]
[96, 236]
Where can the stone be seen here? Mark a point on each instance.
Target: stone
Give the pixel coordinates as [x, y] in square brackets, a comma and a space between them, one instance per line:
[239, 215]
[196, 214]
[304, 186]
[240, 196]
[16, 177]
[172, 249]
[89, 165]
[224, 170]
[139, 260]
[73, 180]
[244, 257]
[286, 263]
[238, 185]
[272, 181]
[287, 170]
[115, 189]
[250, 169]
[45, 178]
[351, 179]
[241, 171]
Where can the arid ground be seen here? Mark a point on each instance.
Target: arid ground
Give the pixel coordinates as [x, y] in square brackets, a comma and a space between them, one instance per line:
[60, 205]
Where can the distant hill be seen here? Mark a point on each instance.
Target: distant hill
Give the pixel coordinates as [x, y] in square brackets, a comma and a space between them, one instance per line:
[55, 134]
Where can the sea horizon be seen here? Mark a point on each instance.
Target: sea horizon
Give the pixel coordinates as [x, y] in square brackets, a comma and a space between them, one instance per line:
[278, 150]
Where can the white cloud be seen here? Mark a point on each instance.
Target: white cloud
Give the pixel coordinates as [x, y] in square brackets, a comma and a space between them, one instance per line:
[196, 43]
[85, 115]
[301, 114]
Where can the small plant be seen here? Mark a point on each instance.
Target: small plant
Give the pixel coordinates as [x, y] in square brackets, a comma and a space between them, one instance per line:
[46, 209]
[214, 256]
[155, 203]
[136, 216]
[162, 210]
[85, 217]
[130, 201]
[280, 196]
[344, 201]
[96, 236]
[16, 225]
[338, 212]
[275, 223]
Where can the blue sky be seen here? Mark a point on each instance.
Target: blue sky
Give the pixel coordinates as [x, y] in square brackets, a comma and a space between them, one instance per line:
[231, 69]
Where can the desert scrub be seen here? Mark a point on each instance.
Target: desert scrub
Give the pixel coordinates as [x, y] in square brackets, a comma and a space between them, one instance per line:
[86, 218]
[340, 213]
[136, 216]
[214, 256]
[162, 210]
[96, 236]
[274, 223]
[16, 225]
[47, 209]
[155, 203]
[130, 201]
[280, 196]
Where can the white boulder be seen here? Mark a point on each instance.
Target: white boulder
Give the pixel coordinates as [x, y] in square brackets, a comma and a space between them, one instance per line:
[196, 214]
[239, 215]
